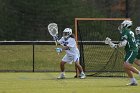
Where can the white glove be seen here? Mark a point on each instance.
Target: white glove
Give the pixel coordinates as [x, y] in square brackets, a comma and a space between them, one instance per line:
[58, 50]
[109, 42]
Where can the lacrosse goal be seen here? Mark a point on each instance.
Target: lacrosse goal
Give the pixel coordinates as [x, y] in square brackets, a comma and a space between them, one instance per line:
[97, 58]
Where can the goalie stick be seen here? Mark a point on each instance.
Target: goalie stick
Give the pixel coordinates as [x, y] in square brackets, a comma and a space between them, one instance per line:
[53, 30]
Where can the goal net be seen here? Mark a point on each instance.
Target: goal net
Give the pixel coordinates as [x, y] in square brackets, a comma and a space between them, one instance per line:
[97, 58]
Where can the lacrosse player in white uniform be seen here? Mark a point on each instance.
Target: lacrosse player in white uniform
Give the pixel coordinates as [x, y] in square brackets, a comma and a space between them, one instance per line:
[72, 53]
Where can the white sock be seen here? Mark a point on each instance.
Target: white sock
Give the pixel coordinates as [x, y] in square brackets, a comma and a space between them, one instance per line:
[63, 73]
[133, 80]
[82, 72]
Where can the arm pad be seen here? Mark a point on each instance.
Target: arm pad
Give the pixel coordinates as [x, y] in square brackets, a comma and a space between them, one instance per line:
[123, 43]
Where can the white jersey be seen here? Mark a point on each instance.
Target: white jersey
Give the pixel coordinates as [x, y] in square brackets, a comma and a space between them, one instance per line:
[71, 43]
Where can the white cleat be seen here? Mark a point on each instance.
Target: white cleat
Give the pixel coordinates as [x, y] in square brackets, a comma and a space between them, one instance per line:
[82, 76]
[62, 76]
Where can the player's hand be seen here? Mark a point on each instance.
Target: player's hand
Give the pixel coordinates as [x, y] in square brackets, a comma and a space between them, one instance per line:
[58, 50]
[55, 38]
[107, 40]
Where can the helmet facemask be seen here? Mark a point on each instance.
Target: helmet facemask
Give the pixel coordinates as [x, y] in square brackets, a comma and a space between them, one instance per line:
[67, 32]
[137, 31]
[124, 25]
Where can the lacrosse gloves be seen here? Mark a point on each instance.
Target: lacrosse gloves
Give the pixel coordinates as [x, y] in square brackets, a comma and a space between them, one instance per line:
[109, 42]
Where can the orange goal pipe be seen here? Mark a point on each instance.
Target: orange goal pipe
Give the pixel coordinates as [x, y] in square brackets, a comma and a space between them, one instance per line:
[80, 19]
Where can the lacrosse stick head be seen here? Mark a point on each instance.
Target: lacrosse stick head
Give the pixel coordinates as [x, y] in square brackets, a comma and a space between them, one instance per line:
[53, 29]
[67, 32]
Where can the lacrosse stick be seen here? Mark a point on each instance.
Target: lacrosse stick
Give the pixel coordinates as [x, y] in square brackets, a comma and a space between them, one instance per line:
[53, 30]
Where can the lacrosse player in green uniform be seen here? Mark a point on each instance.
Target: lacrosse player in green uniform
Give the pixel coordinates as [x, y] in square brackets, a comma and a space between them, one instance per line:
[137, 32]
[131, 49]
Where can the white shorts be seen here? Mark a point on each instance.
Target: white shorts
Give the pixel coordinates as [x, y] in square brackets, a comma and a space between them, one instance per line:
[70, 58]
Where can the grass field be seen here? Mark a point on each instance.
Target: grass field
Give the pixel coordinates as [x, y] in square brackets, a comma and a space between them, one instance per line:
[20, 58]
[47, 83]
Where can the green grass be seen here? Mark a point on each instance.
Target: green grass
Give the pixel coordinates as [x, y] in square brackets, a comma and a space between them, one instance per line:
[20, 57]
[47, 83]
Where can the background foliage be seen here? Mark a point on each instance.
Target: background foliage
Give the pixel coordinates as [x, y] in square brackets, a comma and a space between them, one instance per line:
[27, 19]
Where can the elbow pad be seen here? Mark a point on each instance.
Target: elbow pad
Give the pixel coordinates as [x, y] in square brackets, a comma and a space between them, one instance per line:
[123, 43]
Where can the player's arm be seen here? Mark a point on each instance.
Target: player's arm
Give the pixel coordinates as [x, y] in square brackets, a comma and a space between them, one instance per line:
[60, 41]
[112, 45]
[65, 48]
[122, 43]
[69, 45]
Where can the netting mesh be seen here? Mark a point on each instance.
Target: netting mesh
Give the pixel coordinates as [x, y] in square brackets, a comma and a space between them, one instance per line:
[97, 58]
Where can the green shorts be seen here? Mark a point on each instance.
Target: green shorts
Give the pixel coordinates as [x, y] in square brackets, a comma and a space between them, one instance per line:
[138, 56]
[130, 56]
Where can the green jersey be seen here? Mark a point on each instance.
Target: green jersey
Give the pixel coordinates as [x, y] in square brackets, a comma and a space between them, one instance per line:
[131, 45]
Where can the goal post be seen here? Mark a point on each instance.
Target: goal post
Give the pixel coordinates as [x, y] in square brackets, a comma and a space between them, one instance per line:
[97, 58]
[93, 19]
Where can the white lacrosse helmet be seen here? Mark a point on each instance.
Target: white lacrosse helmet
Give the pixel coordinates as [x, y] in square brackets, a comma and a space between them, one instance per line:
[67, 32]
[125, 24]
[137, 30]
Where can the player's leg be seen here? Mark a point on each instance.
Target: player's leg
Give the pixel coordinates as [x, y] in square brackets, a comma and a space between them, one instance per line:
[137, 62]
[77, 72]
[82, 74]
[130, 74]
[131, 68]
[77, 64]
[62, 67]
[129, 59]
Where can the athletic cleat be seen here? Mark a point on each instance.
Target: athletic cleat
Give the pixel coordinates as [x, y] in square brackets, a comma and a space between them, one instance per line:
[61, 76]
[132, 84]
[82, 76]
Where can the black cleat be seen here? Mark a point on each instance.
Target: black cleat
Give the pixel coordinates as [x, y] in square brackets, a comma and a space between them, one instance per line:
[132, 84]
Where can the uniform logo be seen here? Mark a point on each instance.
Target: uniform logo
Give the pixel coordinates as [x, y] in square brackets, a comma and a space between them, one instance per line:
[64, 43]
